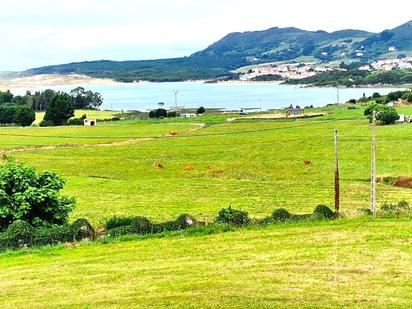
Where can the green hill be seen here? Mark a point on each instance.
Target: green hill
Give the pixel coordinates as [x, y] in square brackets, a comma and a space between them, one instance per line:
[241, 49]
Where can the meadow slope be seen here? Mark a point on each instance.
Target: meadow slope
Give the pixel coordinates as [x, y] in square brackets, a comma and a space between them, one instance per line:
[361, 263]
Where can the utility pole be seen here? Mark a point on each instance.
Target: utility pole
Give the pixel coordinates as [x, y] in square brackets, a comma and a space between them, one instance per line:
[176, 92]
[373, 178]
[337, 178]
[337, 93]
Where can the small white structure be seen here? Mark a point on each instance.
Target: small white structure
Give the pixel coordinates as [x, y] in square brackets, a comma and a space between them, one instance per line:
[402, 119]
[90, 122]
[188, 115]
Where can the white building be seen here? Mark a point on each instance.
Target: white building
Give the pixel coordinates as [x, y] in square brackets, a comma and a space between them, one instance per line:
[90, 122]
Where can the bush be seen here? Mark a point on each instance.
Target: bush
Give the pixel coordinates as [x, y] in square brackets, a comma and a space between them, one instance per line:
[352, 101]
[386, 114]
[323, 212]
[402, 206]
[18, 235]
[158, 113]
[53, 236]
[32, 197]
[281, 214]
[115, 222]
[77, 121]
[185, 221]
[182, 222]
[233, 217]
[82, 230]
[128, 225]
[172, 114]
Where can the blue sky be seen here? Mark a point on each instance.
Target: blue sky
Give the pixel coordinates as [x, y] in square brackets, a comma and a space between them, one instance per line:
[42, 32]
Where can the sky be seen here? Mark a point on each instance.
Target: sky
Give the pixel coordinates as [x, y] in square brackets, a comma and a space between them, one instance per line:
[45, 32]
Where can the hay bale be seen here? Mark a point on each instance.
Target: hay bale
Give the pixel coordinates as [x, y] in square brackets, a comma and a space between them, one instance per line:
[403, 182]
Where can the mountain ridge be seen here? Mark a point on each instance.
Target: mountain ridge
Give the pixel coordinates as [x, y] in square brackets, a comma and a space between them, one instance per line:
[238, 49]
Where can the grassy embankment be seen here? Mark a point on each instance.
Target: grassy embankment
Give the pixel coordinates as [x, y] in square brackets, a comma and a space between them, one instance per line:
[348, 263]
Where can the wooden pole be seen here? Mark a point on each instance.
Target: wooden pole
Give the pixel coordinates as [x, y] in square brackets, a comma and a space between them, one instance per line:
[373, 178]
[337, 178]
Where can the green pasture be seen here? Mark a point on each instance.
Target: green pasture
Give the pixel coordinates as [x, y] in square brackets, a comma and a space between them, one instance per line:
[356, 263]
[256, 166]
[253, 165]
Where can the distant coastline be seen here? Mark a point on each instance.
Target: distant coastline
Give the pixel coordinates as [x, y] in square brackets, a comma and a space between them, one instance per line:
[34, 82]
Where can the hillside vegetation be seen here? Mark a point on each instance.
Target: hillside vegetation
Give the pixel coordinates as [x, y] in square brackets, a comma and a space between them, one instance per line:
[242, 49]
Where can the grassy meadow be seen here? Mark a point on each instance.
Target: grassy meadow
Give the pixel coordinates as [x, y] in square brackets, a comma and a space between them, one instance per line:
[256, 166]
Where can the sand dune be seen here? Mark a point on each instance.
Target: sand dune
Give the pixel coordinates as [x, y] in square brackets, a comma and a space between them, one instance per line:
[36, 82]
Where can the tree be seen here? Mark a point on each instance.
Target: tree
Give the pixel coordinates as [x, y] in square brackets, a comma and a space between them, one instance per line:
[386, 114]
[86, 99]
[59, 111]
[6, 97]
[201, 110]
[31, 196]
[24, 116]
[17, 115]
[158, 113]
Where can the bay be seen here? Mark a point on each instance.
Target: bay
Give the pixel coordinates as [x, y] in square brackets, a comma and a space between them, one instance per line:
[228, 96]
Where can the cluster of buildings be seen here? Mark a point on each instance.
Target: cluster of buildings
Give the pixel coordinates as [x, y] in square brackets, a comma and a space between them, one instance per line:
[286, 71]
[389, 64]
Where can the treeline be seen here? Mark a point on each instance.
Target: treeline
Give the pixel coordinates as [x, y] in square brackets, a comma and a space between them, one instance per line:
[59, 106]
[355, 78]
[40, 100]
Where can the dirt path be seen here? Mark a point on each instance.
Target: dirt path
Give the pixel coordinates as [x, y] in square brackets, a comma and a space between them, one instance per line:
[129, 141]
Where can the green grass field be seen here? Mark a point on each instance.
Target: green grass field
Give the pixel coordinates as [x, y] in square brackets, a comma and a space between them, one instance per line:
[253, 165]
[349, 263]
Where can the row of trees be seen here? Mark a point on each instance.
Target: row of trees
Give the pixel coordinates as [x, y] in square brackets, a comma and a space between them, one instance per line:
[59, 106]
[40, 100]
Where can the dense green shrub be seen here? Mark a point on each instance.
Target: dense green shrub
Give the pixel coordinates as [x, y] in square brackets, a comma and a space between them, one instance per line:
[182, 222]
[18, 235]
[323, 212]
[386, 114]
[281, 214]
[116, 221]
[233, 217]
[158, 113]
[77, 121]
[117, 226]
[32, 197]
[121, 231]
[398, 208]
[185, 221]
[53, 236]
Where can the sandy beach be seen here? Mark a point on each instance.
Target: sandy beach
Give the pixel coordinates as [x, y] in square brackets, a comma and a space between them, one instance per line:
[35, 82]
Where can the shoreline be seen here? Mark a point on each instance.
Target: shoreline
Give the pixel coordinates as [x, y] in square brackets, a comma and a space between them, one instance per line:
[37, 82]
[21, 84]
